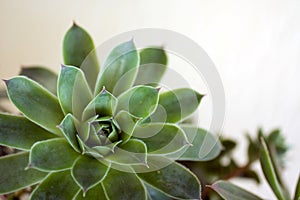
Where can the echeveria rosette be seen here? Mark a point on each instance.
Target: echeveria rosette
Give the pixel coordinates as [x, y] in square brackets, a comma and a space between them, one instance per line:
[115, 136]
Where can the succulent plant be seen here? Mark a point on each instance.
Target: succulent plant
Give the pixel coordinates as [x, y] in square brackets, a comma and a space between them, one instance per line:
[109, 134]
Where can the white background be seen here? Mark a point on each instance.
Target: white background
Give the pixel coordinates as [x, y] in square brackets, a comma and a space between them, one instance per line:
[255, 46]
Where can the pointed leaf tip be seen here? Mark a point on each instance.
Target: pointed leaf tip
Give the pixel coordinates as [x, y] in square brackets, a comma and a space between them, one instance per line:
[29, 166]
[74, 23]
[229, 191]
[103, 90]
[5, 81]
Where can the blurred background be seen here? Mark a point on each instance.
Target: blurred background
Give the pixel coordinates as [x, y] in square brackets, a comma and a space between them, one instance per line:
[255, 46]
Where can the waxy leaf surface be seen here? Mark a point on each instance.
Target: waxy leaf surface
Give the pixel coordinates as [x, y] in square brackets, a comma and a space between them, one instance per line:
[53, 154]
[13, 175]
[43, 76]
[58, 185]
[119, 69]
[78, 50]
[35, 102]
[229, 191]
[153, 64]
[18, 132]
[123, 186]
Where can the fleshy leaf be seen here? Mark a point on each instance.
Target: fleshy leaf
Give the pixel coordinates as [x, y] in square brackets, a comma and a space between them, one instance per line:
[53, 154]
[88, 172]
[152, 67]
[139, 101]
[104, 104]
[58, 185]
[154, 194]
[204, 147]
[132, 152]
[73, 91]
[13, 175]
[178, 104]
[123, 186]
[78, 50]
[268, 170]
[35, 102]
[161, 138]
[109, 148]
[18, 132]
[94, 193]
[42, 75]
[175, 181]
[127, 123]
[229, 191]
[119, 68]
[68, 128]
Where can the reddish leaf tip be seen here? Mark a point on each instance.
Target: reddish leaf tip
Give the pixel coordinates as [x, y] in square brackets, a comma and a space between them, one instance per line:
[59, 126]
[5, 81]
[29, 166]
[84, 190]
[158, 88]
[103, 90]
[74, 23]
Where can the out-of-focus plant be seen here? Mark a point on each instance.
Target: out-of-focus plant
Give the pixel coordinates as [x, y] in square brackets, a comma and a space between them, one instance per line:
[270, 150]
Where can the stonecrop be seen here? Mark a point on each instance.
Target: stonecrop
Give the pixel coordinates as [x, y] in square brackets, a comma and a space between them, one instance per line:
[109, 134]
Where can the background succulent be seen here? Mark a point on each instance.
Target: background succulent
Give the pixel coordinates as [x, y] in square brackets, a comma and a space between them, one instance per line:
[109, 134]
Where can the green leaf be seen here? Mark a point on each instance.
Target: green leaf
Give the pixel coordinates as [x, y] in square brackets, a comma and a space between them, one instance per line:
[131, 153]
[88, 172]
[161, 138]
[104, 150]
[229, 191]
[120, 69]
[154, 194]
[139, 101]
[73, 91]
[13, 175]
[251, 174]
[93, 194]
[104, 104]
[297, 190]
[123, 186]
[58, 185]
[35, 102]
[53, 154]
[253, 149]
[18, 132]
[152, 67]
[268, 170]
[78, 51]
[68, 129]
[43, 76]
[127, 123]
[204, 145]
[175, 181]
[178, 105]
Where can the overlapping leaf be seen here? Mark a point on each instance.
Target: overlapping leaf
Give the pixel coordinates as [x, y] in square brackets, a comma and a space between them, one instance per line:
[18, 132]
[78, 50]
[35, 102]
[13, 176]
[119, 69]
